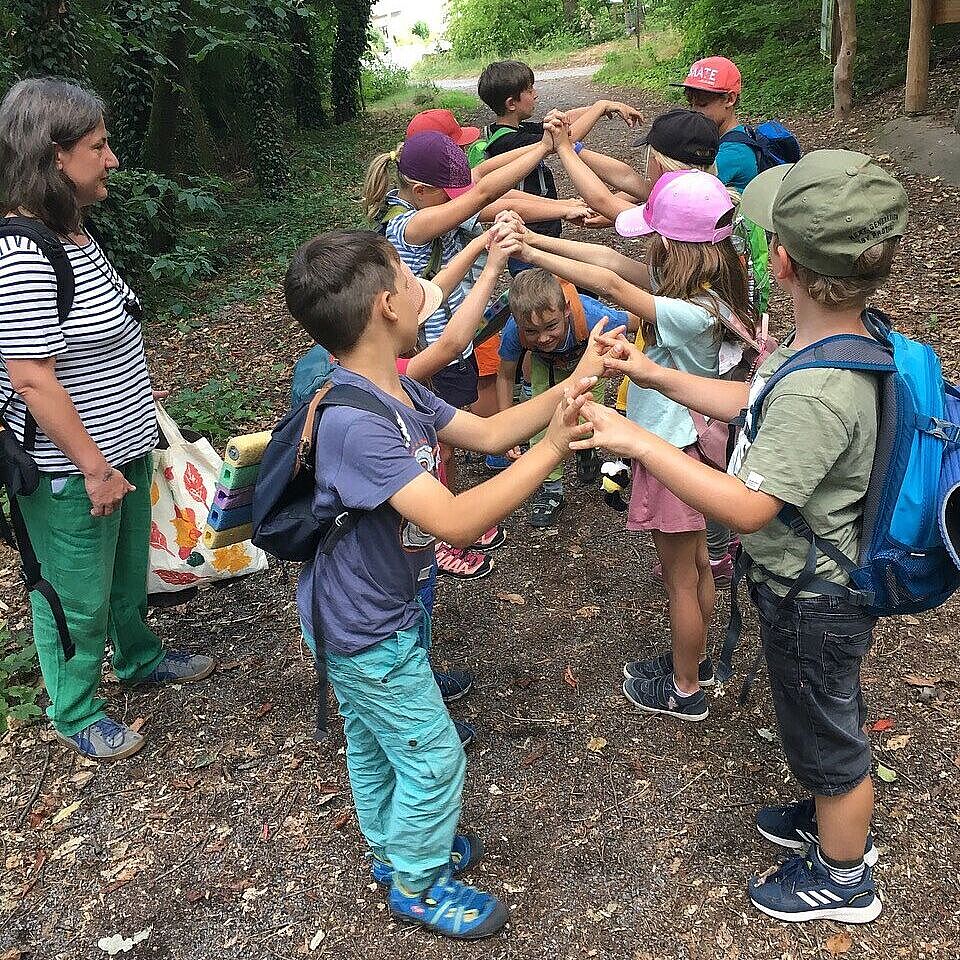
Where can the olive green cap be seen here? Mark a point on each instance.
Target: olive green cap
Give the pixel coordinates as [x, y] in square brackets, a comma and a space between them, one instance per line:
[828, 208]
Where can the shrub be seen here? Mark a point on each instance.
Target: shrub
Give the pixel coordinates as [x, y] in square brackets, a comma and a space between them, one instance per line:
[20, 682]
[421, 29]
[221, 407]
[381, 79]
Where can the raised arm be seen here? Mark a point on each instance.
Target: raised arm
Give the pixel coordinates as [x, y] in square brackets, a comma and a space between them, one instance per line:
[431, 222]
[617, 174]
[451, 275]
[464, 323]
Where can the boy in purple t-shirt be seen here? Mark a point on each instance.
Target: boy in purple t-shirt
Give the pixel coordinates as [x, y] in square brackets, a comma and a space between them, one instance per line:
[353, 295]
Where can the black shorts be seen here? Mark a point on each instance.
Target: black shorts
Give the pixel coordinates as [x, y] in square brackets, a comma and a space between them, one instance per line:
[457, 383]
[814, 648]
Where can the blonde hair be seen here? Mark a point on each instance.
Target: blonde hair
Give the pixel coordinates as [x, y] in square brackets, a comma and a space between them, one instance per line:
[376, 183]
[698, 271]
[669, 165]
[839, 293]
[533, 291]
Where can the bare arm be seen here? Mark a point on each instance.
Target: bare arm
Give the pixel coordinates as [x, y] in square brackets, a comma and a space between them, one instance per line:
[451, 275]
[463, 325]
[495, 163]
[431, 222]
[593, 190]
[715, 494]
[617, 174]
[534, 209]
[461, 519]
[35, 381]
[596, 253]
[506, 378]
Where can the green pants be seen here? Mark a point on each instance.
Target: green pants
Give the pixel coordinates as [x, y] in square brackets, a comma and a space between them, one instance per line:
[404, 757]
[540, 382]
[98, 566]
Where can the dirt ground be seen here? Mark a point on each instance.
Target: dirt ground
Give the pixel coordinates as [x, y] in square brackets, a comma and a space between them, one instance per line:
[232, 835]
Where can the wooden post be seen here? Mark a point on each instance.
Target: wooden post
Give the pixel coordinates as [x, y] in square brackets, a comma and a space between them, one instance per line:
[918, 57]
[843, 71]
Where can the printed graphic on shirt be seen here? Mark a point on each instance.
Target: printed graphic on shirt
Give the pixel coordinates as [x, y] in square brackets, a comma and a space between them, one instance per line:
[412, 537]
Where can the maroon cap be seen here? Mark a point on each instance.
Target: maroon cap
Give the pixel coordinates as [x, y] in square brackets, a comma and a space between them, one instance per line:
[434, 159]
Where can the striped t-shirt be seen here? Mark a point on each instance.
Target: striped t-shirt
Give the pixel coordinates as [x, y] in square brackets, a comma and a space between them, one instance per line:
[417, 256]
[100, 359]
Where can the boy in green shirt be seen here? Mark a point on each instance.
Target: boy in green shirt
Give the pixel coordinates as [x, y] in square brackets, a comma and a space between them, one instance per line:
[837, 218]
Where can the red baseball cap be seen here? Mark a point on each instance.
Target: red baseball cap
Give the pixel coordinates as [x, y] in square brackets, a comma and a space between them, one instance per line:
[443, 121]
[716, 74]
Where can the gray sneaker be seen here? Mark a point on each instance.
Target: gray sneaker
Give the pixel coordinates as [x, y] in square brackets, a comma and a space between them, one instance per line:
[179, 667]
[104, 739]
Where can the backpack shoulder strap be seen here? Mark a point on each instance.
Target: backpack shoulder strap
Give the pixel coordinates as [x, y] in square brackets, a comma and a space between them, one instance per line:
[52, 249]
[575, 306]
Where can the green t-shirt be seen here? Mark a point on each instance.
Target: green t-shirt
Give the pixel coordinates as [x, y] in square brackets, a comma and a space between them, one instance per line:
[814, 449]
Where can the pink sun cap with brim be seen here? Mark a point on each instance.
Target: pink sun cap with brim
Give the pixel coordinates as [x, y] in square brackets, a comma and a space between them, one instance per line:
[683, 205]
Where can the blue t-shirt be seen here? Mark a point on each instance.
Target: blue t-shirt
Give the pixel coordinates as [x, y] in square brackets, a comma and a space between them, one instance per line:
[594, 311]
[686, 340]
[736, 163]
[366, 588]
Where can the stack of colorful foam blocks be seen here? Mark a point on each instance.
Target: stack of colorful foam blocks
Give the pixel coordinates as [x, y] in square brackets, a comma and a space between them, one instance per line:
[231, 513]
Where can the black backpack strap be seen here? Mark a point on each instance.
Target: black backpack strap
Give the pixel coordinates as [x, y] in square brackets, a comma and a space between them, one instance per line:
[33, 577]
[52, 248]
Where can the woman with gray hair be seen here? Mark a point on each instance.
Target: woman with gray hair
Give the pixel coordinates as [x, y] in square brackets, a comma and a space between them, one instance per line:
[75, 391]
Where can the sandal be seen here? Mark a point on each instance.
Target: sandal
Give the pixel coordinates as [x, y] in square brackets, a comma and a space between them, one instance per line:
[545, 508]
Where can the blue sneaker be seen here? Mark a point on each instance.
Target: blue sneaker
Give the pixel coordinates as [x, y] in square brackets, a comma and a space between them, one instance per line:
[453, 684]
[492, 462]
[467, 852]
[104, 739]
[450, 908]
[659, 695]
[465, 732]
[802, 889]
[179, 667]
[663, 663]
[794, 826]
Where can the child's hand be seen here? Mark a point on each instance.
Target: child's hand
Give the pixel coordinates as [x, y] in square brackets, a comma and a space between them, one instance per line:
[610, 430]
[556, 124]
[510, 219]
[621, 356]
[596, 221]
[628, 114]
[514, 244]
[565, 427]
[576, 211]
[497, 253]
[592, 362]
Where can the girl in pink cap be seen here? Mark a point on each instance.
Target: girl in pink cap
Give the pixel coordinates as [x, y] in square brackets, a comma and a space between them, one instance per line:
[697, 287]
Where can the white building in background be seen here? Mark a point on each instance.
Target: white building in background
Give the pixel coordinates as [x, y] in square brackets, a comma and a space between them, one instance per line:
[394, 19]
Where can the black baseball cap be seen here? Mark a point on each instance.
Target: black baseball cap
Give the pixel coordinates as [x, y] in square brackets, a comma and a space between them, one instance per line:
[684, 135]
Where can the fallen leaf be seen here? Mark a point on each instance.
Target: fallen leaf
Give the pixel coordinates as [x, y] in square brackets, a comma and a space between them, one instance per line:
[317, 940]
[914, 681]
[341, 820]
[898, 743]
[839, 944]
[531, 758]
[512, 598]
[886, 774]
[66, 812]
[882, 725]
[765, 734]
[596, 744]
[138, 724]
[119, 944]
[590, 610]
[495, 790]
[265, 708]
[194, 896]
[568, 677]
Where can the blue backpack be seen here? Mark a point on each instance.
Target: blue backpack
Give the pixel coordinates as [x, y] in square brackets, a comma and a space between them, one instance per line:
[771, 141]
[903, 565]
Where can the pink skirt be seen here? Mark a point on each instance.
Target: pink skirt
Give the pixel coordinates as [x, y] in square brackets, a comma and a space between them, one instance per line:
[654, 507]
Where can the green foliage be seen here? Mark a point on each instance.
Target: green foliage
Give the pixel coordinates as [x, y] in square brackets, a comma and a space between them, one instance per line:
[421, 29]
[775, 45]
[492, 28]
[145, 212]
[353, 17]
[20, 682]
[221, 407]
[52, 39]
[381, 79]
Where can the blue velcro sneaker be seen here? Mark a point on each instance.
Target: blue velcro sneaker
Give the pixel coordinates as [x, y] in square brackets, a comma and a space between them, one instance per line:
[466, 853]
[104, 739]
[802, 889]
[451, 908]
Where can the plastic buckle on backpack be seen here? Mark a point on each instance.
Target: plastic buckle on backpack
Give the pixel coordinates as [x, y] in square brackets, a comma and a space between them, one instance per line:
[942, 430]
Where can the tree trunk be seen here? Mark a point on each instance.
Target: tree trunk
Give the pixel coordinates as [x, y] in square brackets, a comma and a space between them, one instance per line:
[843, 71]
[353, 18]
[956, 119]
[160, 148]
[916, 92]
[570, 17]
[307, 98]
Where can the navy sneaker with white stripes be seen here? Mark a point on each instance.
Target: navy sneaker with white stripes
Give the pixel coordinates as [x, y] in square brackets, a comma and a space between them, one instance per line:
[454, 684]
[802, 889]
[660, 695]
[467, 852]
[794, 826]
[450, 908]
[663, 663]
